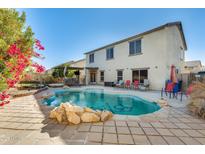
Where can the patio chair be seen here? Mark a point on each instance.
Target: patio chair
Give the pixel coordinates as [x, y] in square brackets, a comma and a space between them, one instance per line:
[172, 88]
[127, 84]
[176, 90]
[120, 83]
[145, 85]
[169, 86]
[189, 90]
[136, 84]
[115, 83]
[146, 82]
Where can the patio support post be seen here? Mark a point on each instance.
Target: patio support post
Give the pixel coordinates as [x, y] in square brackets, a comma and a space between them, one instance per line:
[162, 93]
[181, 96]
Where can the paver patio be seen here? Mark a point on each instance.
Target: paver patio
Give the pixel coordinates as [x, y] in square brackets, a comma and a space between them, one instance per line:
[25, 121]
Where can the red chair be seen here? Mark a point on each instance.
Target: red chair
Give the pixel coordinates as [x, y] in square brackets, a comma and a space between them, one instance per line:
[169, 87]
[136, 84]
[127, 84]
[189, 90]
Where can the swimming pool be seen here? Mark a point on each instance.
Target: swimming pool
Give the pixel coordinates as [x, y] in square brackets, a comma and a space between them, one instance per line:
[102, 100]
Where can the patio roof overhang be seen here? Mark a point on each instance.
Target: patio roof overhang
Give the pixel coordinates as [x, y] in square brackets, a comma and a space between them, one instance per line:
[70, 68]
[91, 68]
[140, 68]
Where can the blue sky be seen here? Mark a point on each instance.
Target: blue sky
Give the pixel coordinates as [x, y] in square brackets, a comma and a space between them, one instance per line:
[68, 33]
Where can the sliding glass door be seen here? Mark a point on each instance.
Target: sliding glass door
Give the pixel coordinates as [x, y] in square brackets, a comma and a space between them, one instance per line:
[140, 75]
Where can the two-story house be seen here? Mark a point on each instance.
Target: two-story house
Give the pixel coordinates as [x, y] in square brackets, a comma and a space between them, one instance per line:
[148, 55]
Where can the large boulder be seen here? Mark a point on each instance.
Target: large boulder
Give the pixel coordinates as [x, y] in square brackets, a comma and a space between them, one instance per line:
[105, 115]
[65, 105]
[89, 117]
[98, 112]
[87, 109]
[76, 114]
[77, 109]
[59, 114]
[73, 118]
[53, 113]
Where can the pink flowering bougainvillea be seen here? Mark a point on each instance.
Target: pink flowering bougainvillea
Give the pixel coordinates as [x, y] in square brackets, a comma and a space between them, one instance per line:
[17, 46]
[16, 65]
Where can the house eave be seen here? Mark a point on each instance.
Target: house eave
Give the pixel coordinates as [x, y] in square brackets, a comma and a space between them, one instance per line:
[178, 24]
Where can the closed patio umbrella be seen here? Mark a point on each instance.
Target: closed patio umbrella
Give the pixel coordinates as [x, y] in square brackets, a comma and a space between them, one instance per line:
[173, 76]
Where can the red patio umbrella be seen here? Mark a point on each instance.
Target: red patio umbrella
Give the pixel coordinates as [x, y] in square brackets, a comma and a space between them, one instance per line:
[173, 76]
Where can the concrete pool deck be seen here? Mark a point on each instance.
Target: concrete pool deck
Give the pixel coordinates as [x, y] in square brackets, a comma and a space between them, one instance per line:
[25, 121]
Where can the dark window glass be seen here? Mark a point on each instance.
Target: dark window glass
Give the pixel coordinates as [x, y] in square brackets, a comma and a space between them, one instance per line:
[143, 75]
[135, 47]
[109, 53]
[139, 75]
[91, 58]
[119, 75]
[132, 48]
[102, 76]
[135, 75]
[138, 46]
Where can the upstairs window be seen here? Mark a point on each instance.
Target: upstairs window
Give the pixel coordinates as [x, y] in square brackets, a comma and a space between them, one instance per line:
[109, 53]
[91, 58]
[135, 47]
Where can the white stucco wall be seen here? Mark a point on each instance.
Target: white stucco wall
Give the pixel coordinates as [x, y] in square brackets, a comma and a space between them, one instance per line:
[160, 49]
[175, 52]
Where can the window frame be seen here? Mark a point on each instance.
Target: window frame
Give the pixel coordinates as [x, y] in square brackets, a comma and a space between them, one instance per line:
[108, 53]
[135, 47]
[119, 76]
[93, 60]
[102, 78]
[139, 75]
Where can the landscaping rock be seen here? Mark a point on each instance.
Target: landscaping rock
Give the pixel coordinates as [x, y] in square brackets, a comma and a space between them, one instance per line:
[66, 105]
[105, 115]
[73, 117]
[53, 114]
[90, 117]
[98, 112]
[87, 109]
[77, 109]
[67, 113]
[60, 114]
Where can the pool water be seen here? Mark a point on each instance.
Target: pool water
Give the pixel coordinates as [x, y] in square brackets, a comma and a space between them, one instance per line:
[98, 99]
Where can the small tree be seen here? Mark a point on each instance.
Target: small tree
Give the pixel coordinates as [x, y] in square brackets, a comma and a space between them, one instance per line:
[17, 44]
[58, 73]
[70, 73]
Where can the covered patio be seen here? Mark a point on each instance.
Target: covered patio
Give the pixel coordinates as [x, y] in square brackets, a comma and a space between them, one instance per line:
[78, 73]
[92, 74]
